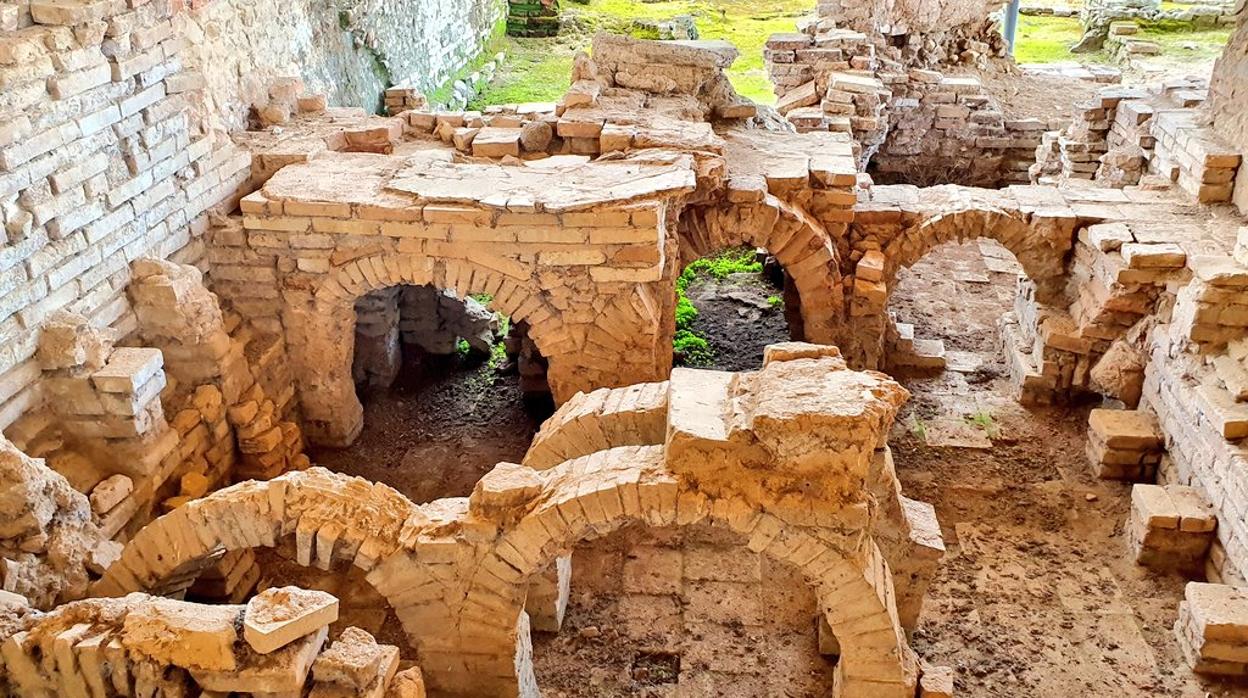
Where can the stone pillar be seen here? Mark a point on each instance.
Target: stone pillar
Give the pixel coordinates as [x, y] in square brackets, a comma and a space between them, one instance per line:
[377, 355]
[548, 596]
[321, 363]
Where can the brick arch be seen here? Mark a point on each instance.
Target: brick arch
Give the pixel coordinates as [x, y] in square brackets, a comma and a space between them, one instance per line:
[321, 360]
[1040, 246]
[330, 519]
[801, 245]
[348, 282]
[592, 496]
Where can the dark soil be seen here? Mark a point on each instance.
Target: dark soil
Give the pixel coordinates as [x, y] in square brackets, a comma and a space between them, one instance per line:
[738, 317]
[443, 424]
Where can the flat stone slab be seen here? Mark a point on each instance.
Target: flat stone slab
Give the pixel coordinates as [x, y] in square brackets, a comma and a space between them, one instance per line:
[963, 361]
[277, 617]
[564, 187]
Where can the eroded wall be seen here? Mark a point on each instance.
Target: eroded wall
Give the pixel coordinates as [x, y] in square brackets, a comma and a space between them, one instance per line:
[113, 121]
[350, 50]
[1228, 93]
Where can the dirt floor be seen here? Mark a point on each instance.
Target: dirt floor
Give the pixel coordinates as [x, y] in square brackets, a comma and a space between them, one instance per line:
[738, 316]
[1037, 594]
[441, 426]
[1049, 99]
[690, 612]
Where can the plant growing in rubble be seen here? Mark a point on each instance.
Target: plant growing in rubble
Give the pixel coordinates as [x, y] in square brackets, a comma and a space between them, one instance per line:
[983, 419]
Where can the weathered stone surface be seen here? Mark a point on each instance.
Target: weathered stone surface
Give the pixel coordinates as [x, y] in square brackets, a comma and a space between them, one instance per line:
[276, 617]
[184, 635]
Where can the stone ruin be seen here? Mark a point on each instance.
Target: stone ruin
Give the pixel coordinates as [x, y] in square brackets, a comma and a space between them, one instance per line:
[186, 304]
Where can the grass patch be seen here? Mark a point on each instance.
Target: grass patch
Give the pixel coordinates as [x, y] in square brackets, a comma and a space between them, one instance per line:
[1048, 39]
[1201, 45]
[687, 344]
[537, 70]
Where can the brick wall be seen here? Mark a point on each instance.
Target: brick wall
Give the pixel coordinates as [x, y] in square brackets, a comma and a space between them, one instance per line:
[113, 120]
[1227, 95]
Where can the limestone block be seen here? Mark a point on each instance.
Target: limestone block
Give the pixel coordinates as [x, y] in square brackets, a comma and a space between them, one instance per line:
[110, 492]
[409, 683]
[548, 596]
[355, 660]
[1171, 527]
[128, 368]
[1212, 628]
[936, 682]
[508, 486]
[1119, 373]
[1160, 255]
[68, 340]
[1124, 444]
[187, 635]
[277, 617]
[283, 671]
[1125, 429]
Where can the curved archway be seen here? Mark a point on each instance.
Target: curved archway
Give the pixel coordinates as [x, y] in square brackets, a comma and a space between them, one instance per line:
[1040, 245]
[801, 245]
[331, 519]
[592, 496]
[317, 325]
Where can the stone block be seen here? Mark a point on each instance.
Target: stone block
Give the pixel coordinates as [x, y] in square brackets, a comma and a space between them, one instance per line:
[190, 636]
[1212, 628]
[110, 492]
[284, 671]
[128, 368]
[353, 660]
[277, 617]
[1171, 527]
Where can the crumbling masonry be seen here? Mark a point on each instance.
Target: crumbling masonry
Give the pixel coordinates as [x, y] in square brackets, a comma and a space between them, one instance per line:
[198, 269]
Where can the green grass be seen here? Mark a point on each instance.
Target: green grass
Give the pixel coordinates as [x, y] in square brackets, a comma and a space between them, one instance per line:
[1048, 40]
[694, 349]
[537, 70]
[1189, 45]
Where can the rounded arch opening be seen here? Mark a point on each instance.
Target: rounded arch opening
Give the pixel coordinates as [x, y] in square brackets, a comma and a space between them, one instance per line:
[317, 530]
[751, 274]
[688, 609]
[629, 486]
[359, 320]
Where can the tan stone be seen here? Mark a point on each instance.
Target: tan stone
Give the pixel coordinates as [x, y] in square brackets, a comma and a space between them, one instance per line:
[277, 617]
[185, 635]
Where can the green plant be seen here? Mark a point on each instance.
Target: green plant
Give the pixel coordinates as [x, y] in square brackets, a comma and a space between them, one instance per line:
[498, 356]
[983, 419]
[462, 348]
[775, 302]
[686, 313]
[694, 350]
[918, 427]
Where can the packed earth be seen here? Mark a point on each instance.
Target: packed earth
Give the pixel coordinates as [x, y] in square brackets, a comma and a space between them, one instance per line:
[580, 348]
